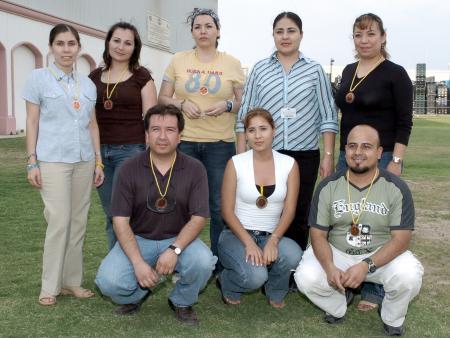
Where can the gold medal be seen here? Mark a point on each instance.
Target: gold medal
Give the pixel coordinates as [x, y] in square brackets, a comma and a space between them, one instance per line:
[354, 230]
[161, 203]
[108, 104]
[261, 202]
[203, 90]
[350, 97]
[76, 104]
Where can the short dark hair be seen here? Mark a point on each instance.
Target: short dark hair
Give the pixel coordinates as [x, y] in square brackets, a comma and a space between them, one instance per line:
[290, 15]
[133, 64]
[163, 110]
[265, 114]
[62, 28]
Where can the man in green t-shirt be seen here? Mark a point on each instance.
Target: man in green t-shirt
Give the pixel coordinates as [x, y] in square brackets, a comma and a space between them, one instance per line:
[361, 225]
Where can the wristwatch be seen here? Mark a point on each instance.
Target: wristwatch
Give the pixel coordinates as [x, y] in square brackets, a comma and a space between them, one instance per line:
[229, 106]
[397, 160]
[176, 249]
[372, 267]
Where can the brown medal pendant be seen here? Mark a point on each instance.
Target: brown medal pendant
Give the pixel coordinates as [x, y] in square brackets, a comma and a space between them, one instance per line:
[350, 97]
[354, 230]
[76, 105]
[161, 203]
[108, 104]
[203, 90]
[261, 202]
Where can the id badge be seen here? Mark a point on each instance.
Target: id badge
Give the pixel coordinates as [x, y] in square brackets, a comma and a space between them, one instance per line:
[288, 113]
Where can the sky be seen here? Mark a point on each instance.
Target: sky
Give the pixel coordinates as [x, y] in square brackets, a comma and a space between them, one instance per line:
[417, 31]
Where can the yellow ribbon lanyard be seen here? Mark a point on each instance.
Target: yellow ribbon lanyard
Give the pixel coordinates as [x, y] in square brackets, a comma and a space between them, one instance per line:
[109, 94]
[352, 88]
[156, 179]
[65, 86]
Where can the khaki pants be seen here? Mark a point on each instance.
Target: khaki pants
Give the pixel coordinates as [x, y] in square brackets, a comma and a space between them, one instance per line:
[401, 279]
[66, 193]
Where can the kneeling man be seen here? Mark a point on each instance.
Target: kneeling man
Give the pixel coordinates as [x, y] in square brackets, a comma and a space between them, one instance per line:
[361, 225]
[159, 207]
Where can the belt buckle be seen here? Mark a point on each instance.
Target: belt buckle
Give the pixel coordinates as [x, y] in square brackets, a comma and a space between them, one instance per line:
[256, 232]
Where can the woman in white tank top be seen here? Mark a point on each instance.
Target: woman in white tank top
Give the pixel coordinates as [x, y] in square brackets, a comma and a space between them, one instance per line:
[259, 197]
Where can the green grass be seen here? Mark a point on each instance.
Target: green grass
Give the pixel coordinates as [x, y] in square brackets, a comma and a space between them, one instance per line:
[22, 230]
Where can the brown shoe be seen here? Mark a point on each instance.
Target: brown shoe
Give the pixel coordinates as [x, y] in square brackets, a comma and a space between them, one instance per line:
[184, 314]
[127, 309]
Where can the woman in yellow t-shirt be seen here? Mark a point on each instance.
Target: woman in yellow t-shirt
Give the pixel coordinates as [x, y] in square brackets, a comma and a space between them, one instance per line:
[206, 85]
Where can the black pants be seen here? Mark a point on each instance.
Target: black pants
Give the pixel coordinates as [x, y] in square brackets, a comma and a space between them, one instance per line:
[308, 162]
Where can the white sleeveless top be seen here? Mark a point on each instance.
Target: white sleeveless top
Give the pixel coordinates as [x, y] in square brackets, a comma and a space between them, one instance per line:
[250, 216]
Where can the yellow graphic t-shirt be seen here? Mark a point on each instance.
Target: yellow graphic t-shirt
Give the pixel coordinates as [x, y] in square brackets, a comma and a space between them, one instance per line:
[206, 84]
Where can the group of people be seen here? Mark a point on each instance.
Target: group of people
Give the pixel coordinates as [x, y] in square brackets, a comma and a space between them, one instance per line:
[244, 153]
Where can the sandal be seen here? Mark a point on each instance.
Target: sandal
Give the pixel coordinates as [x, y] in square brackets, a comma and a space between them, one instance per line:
[77, 291]
[277, 305]
[47, 299]
[226, 300]
[365, 306]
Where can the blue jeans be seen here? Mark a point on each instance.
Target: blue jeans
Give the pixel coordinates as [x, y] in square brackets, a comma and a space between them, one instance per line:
[116, 278]
[239, 276]
[112, 156]
[371, 292]
[214, 156]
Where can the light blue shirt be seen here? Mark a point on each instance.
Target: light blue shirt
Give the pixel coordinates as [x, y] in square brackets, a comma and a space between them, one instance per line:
[64, 134]
[305, 88]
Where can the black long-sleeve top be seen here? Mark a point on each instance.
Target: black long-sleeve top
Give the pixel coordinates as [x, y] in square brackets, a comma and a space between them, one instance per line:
[383, 100]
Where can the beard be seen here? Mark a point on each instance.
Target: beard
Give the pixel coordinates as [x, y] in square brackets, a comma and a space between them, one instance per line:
[359, 170]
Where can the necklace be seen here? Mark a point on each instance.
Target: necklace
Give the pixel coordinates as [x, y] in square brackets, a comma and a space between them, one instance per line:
[261, 201]
[76, 96]
[108, 103]
[350, 97]
[354, 229]
[161, 202]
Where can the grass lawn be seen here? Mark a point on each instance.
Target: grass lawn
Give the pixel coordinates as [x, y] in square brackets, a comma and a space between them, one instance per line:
[22, 229]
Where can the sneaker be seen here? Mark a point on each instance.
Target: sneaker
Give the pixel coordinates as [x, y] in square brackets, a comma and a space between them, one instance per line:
[393, 331]
[330, 319]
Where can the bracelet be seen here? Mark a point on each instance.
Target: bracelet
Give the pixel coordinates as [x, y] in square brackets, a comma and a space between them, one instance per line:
[99, 165]
[32, 166]
[181, 104]
[31, 155]
[329, 153]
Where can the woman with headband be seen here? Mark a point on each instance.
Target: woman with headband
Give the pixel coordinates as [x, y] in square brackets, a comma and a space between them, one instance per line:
[206, 85]
[125, 91]
[62, 140]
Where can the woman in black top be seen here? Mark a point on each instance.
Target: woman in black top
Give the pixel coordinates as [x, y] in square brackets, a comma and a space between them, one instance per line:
[377, 92]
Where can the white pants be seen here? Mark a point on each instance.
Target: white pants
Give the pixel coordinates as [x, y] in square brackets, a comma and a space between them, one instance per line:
[66, 193]
[401, 279]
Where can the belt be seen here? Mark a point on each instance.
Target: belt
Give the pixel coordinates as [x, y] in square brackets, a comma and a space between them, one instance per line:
[259, 233]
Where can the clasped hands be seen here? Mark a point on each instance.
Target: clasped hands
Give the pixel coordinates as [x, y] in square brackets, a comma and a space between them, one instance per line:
[192, 111]
[258, 257]
[148, 277]
[351, 278]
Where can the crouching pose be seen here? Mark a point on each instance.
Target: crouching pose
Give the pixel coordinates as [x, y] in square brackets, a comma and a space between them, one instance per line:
[361, 226]
[259, 197]
[159, 207]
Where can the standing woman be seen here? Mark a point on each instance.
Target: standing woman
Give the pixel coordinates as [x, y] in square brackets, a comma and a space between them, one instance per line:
[297, 92]
[208, 87]
[62, 139]
[259, 197]
[377, 92]
[125, 91]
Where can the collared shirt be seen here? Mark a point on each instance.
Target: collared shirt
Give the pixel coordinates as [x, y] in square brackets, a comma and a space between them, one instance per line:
[135, 194]
[305, 88]
[64, 134]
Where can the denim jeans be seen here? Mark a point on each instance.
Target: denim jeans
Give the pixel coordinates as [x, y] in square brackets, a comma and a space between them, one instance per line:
[214, 156]
[116, 278]
[371, 292]
[239, 276]
[112, 156]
